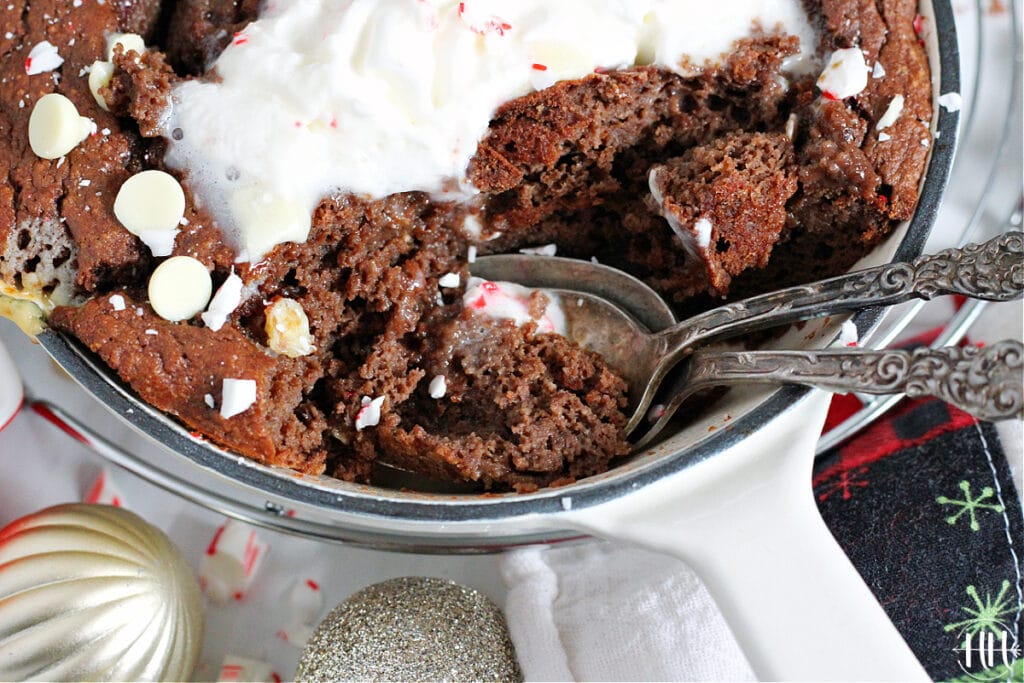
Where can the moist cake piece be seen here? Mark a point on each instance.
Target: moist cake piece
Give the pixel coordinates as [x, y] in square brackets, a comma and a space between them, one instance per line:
[726, 201]
[392, 363]
[182, 370]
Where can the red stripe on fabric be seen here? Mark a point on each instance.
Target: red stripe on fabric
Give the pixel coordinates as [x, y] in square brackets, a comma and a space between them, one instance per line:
[843, 407]
[879, 440]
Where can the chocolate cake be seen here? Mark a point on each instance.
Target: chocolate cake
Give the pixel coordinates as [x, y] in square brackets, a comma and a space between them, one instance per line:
[359, 343]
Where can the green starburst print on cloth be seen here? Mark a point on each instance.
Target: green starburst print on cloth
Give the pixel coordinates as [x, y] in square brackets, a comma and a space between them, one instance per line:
[970, 505]
[987, 614]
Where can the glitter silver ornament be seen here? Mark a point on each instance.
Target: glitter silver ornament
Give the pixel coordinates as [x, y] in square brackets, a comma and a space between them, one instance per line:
[92, 592]
[411, 629]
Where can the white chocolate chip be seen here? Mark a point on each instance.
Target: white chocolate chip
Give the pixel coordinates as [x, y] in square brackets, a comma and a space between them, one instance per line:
[160, 242]
[438, 387]
[237, 396]
[845, 75]
[179, 288]
[117, 301]
[288, 329]
[129, 41]
[55, 127]
[266, 220]
[100, 74]
[891, 114]
[224, 303]
[151, 202]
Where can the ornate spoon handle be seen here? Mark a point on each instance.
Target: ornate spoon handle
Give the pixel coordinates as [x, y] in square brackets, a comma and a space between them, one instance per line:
[993, 271]
[987, 382]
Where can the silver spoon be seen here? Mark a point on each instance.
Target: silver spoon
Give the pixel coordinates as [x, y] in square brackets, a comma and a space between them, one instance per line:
[993, 271]
[986, 382]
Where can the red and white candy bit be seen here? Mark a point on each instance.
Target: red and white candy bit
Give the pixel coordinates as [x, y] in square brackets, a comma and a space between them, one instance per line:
[845, 75]
[235, 668]
[509, 301]
[296, 635]
[231, 561]
[43, 57]
[918, 25]
[848, 335]
[305, 601]
[369, 412]
[480, 24]
[104, 491]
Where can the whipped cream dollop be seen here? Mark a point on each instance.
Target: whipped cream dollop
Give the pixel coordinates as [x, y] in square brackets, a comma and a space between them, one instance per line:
[375, 97]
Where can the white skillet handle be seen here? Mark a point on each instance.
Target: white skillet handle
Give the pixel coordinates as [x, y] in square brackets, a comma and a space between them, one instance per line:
[11, 392]
[746, 522]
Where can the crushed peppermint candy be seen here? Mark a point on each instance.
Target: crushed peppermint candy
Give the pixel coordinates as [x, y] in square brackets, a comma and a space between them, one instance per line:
[509, 301]
[235, 668]
[296, 635]
[369, 413]
[848, 335]
[878, 71]
[566, 503]
[305, 601]
[43, 57]
[951, 101]
[224, 302]
[884, 137]
[702, 230]
[237, 396]
[891, 114]
[450, 281]
[845, 75]
[438, 387]
[104, 491]
[231, 561]
[471, 254]
[117, 301]
[656, 412]
[209, 401]
[546, 250]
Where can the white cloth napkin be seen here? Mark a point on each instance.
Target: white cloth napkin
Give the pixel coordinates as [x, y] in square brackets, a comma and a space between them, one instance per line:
[600, 611]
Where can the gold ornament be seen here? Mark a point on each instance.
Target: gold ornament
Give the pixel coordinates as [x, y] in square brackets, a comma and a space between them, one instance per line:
[411, 629]
[96, 593]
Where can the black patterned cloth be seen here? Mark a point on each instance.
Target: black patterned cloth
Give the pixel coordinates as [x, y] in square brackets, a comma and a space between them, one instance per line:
[924, 504]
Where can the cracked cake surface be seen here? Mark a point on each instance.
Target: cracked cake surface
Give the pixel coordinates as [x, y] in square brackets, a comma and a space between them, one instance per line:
[717, 182]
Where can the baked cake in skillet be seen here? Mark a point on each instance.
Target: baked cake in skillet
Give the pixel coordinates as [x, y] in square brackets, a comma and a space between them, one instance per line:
[262, 216]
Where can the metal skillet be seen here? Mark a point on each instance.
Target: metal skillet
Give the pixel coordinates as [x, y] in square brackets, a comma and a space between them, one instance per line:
[729, 493]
